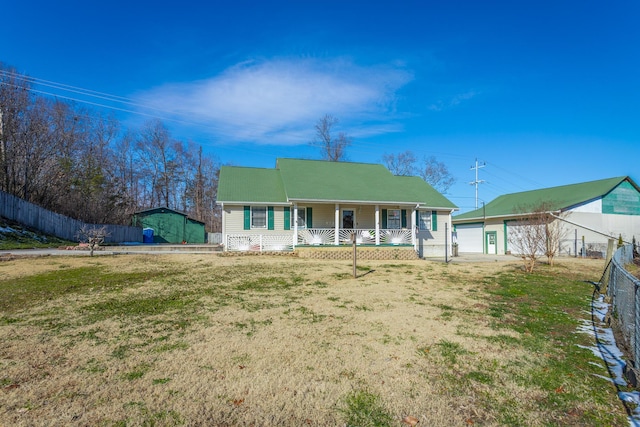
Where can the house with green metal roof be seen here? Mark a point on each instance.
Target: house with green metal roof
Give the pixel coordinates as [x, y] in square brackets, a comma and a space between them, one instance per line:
[590, 213]
[321, 203]
[164, 225]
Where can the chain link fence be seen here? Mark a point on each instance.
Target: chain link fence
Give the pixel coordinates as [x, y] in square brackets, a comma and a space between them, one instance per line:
[623, 290]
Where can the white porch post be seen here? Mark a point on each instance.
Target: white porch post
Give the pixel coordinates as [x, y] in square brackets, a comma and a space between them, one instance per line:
[377, 221]
[414, 226]
[337, 225]
[295, 224]
[224, 229]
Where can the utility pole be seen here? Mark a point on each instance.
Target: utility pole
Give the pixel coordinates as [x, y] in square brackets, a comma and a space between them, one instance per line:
[477, 181]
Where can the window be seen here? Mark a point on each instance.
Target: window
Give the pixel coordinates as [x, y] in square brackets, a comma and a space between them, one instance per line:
[258, 217]
[393, 219]
[302, 217]
[424, 220]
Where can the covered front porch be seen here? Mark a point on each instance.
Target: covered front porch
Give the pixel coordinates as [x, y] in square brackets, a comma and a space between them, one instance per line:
[337, 224]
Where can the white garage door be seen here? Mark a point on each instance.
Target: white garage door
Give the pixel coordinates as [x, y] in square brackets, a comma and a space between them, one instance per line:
[469, 238]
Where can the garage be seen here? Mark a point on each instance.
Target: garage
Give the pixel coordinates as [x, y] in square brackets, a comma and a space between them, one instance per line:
[469, 238]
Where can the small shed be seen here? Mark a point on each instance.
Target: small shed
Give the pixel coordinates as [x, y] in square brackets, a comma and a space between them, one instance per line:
[170, 226]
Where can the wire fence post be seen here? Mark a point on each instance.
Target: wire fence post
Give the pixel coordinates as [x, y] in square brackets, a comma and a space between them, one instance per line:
[625, 301]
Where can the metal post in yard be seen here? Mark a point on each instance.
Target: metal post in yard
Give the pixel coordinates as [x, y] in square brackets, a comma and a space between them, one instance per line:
[446, 242]
[584, 251]
[353, 240]
[575, 244]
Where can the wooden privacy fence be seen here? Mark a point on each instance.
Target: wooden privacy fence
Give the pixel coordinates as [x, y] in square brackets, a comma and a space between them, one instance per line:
[63, 227]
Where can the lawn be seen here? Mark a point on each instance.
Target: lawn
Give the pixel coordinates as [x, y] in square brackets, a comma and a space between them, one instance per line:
[168, 340]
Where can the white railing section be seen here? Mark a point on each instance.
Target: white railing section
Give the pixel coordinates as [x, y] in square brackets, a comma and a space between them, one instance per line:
[316, 236]
[259, 242]
[363, 236]
[396, 237]
[326, 236]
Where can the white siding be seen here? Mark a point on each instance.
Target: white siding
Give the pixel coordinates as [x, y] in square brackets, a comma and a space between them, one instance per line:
[594, 206]
[234, 221]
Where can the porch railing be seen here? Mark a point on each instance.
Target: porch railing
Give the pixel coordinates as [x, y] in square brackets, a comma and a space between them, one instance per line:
[316, 236]
[396, 237]
[259, 242]
[326, 236]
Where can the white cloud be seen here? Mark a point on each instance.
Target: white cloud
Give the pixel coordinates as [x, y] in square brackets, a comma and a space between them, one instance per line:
[453, 101]
[279, 101]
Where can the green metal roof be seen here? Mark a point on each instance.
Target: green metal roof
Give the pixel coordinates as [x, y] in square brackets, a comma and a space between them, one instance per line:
[417, 189]
[255, 185]
[323, 181]
[555, 198]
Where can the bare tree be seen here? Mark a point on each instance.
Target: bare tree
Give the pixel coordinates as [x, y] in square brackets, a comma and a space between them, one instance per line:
[437, 174]
[92, 235]
[538, 233]
[555, 232]
[403, 164]
[333, 147]
[431, 170]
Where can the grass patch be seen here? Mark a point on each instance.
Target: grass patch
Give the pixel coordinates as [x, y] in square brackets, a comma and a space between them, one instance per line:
[28, 291]
[138, 306]
[137, 373]
[364, 409]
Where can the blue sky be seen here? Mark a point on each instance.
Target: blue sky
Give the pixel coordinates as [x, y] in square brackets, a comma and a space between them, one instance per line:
[544, 92]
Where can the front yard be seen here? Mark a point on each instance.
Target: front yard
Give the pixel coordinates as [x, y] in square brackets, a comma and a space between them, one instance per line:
[169, 340]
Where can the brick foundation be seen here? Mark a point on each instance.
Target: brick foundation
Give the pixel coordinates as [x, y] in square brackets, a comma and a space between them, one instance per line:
[346, 253]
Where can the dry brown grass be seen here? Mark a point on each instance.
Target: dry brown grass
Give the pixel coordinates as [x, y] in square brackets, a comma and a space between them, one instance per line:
[258, 341]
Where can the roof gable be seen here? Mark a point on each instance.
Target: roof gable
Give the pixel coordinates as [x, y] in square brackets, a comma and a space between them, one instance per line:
[556, 198]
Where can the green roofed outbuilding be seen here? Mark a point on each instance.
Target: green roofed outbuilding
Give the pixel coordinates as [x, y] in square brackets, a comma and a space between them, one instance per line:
[164, 225]
[594, 210]
[312, 202]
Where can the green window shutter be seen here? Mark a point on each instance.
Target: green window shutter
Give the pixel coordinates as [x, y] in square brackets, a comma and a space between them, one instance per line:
[434, 221]
[403, 216]
[309, 218]
[270, 225]
[384, 219]
[247, 217]
[287, 218]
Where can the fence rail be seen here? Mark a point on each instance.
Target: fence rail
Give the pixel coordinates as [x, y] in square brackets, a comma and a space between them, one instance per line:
[33, 216]
[624, 291]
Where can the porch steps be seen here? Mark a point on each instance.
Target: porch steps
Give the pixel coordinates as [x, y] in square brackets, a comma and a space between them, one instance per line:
[363, 253]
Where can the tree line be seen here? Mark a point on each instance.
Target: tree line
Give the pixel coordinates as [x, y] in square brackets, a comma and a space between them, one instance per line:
[83, 164]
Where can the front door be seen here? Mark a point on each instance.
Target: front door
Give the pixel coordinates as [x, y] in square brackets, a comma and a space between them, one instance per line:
[348, 218]
[492, 245]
